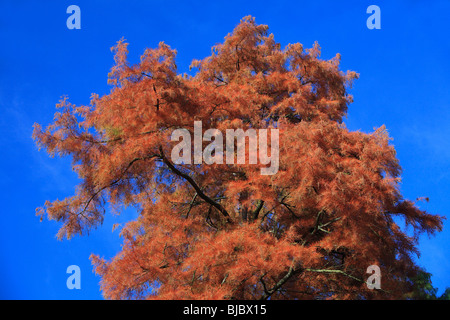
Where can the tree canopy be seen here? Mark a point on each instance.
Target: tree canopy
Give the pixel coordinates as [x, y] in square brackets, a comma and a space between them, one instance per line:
[225, 231]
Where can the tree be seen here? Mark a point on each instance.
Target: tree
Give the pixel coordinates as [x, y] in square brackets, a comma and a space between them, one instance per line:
[423, 288]
[226, 231]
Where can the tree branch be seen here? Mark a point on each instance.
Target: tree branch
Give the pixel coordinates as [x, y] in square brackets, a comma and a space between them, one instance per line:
[278, 285]
[257, 210]
[334, 271]
[191, 204]
[195, 186]
[115, 181]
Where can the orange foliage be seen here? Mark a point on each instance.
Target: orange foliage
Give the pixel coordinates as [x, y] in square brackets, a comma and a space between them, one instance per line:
[225, 231]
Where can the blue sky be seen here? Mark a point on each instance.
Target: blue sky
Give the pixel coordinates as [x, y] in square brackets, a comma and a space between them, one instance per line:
[404, 83]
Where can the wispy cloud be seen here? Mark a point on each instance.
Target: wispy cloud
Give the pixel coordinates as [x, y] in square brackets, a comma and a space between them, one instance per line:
[431, 140]
[16, 126]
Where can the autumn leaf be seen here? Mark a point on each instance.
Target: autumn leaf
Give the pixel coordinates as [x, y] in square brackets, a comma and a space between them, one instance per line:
[224, 231]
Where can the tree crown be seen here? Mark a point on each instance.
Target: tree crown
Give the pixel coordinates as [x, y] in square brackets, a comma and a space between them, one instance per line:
[224, 230]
